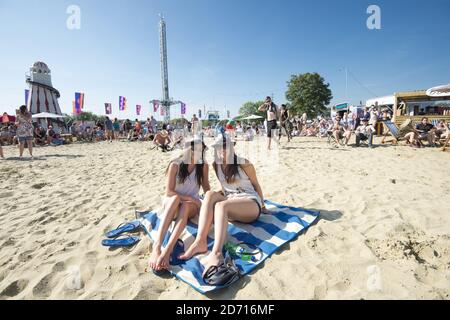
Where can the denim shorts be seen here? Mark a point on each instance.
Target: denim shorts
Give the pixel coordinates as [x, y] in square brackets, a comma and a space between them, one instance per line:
[23, 139]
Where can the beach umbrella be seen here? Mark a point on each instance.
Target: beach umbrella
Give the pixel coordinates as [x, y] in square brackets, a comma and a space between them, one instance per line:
[440, 91]
[46, 115]
[253, 117]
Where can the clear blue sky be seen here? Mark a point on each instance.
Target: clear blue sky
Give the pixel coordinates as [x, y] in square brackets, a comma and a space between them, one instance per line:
[221, 52]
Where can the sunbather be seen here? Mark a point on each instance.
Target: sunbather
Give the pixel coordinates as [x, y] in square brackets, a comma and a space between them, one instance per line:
[241, 200]
[185, 176]
[162, 140]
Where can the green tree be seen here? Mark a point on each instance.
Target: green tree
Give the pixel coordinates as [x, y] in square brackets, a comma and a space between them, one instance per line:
[250, 108]
[308, 93]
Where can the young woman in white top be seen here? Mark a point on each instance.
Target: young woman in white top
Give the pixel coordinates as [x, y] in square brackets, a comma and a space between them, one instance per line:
[185, 176]
[241, 200]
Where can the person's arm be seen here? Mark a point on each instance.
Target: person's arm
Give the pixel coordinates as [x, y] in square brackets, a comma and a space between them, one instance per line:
[205, 183]
[171, 183]
[262, 107]
[250, 171]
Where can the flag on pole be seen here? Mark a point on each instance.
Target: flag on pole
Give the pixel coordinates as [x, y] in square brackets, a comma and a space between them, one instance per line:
[79, 102]
[122, 103]
[163, 111]
[155, 107]
[183, 108]
[27, 92]
[199, 113]
[108, 108]
[138, 109]
[74, 109]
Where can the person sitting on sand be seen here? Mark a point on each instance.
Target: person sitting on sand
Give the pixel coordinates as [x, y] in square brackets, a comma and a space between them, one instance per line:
[426, 131]
[185, 175]
[412, 138]
[51, 135]
[39, 136]
[162, 140]
[338, 129]
[241, 200]
[364, 132]
[442, 130]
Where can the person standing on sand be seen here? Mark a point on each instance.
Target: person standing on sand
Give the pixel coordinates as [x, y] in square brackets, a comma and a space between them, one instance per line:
[116, 128]
[285, 124]
[24, 125]
[185, 175]
[109, 129]
[271, 110]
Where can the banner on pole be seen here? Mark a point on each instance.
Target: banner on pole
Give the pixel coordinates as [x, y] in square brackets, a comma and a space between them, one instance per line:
[79, 102]
[122, 103]
[108, 108]
[138, 109]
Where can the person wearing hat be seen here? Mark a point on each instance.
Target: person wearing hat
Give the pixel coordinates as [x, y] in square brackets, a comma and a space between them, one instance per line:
[364, 132]
[185, 175]
[162, 140]
[240, 200]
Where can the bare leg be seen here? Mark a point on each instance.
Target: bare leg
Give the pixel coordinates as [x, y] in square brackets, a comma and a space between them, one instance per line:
[242, 210]
[1, 152]
[200, 244]
[347, 136]
[21, 148]
[188, 210]
[30, 147]
[171, 206]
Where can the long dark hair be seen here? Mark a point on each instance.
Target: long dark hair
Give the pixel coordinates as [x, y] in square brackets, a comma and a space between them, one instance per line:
[183, 169]
[231, 170]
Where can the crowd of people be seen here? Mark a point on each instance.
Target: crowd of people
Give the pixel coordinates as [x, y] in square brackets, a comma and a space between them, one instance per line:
[278, 122]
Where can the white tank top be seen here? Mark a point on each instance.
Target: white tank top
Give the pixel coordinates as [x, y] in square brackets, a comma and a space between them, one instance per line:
[241, 188]
[189, 187]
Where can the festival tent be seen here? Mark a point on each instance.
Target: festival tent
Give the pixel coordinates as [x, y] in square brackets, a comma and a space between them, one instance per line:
[252, 117]
[440, 91]
[46, 115]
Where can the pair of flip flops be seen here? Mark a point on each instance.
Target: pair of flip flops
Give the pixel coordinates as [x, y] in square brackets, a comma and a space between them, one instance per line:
[117, 237]
[174, 260]
[224, 274]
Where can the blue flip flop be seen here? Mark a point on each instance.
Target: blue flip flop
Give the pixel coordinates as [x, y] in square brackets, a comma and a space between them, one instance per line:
[124, 227]
[124, 241]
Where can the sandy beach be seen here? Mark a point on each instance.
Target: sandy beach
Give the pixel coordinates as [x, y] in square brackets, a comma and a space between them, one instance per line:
[384, 231]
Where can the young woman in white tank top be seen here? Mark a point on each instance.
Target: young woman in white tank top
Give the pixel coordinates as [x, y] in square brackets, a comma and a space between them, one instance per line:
[185, 175]
[241, 200]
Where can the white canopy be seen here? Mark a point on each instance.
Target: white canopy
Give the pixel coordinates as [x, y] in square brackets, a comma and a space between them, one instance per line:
[441, 91]
[252, 117]
[382, 101]
[46, 115]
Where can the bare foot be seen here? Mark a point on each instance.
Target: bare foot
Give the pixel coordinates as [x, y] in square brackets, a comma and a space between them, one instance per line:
[213, 259]
[196, 248]
[152, 261]
[163, 260]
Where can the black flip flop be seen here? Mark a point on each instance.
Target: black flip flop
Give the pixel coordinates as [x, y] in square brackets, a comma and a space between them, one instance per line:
[222, 275]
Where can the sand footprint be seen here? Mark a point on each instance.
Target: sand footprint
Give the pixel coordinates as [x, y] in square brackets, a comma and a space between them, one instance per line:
[43, 288]
[14, 288]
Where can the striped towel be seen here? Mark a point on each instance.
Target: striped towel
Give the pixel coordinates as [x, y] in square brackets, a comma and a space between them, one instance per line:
[268, 233]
